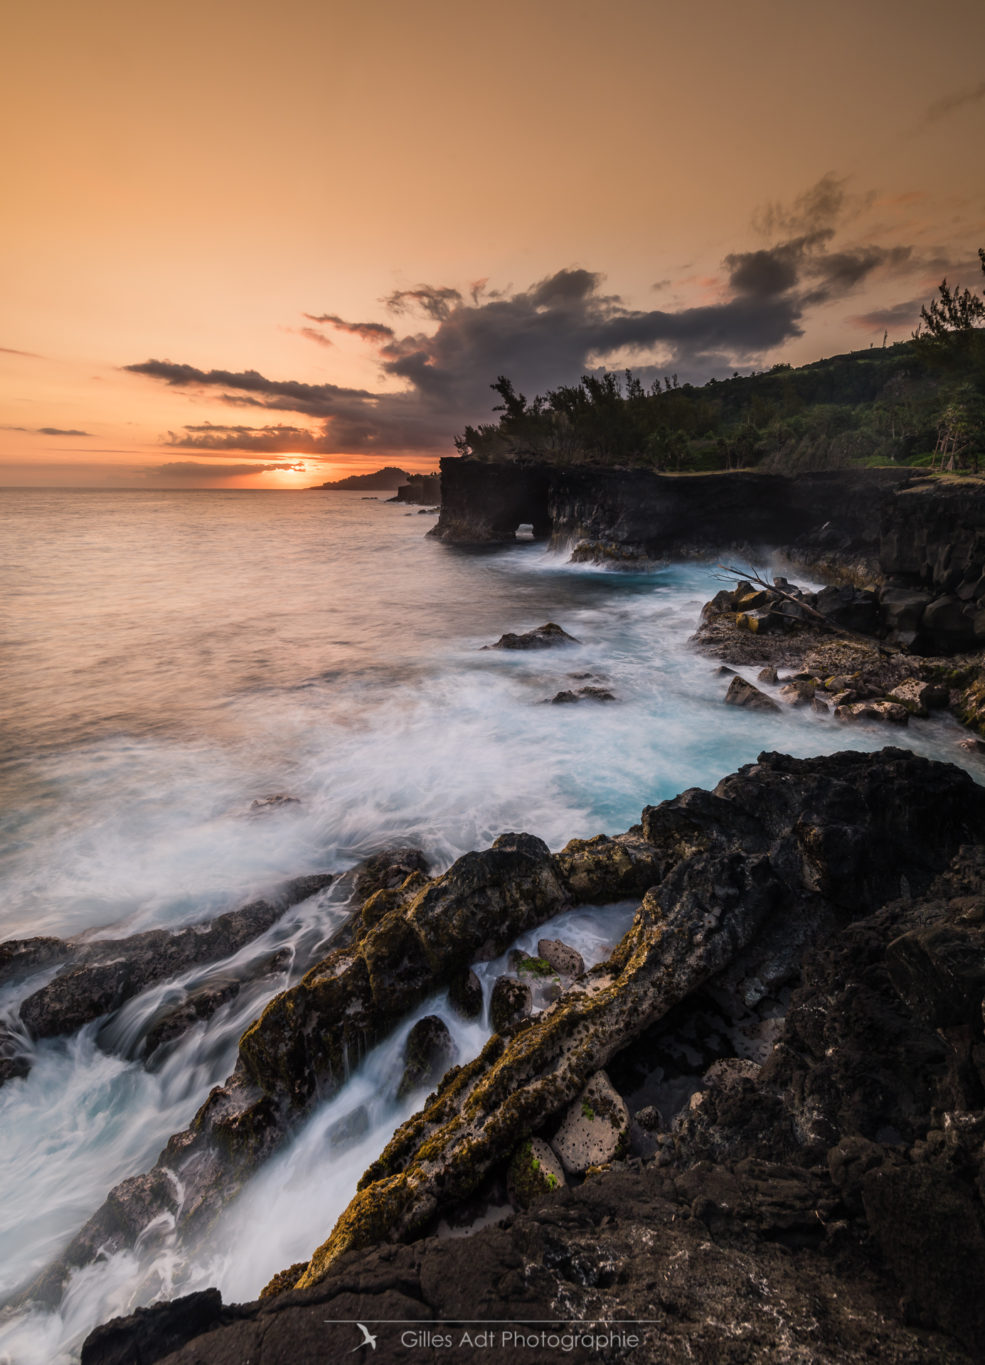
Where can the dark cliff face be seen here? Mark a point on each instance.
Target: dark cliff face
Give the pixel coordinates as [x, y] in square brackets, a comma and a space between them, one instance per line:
[934, 534]
[613, 513]
[483, 504]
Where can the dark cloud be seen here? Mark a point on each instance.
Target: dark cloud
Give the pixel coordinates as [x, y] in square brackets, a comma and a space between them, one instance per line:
[818, 208]
[548, 334]
[942, 107]
[366, 331]
[193, 469]
[313, 334]
[436, 303]
[270, 440]
[47, 431]
[9, 350]
[316, 399]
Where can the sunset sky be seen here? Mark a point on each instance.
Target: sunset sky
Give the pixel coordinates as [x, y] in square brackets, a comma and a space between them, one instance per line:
[255, 245]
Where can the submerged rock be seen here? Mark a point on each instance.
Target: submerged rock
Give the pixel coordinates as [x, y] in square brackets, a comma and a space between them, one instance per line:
[199, 1005]
[103, 974]
[590, 693]
[264, 804]
[349, 1129]
[544, 637]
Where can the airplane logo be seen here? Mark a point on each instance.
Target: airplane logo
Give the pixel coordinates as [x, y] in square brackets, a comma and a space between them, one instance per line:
[368, 1339]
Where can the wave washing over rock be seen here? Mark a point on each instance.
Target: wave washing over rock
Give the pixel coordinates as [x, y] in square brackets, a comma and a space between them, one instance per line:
[711, 1087]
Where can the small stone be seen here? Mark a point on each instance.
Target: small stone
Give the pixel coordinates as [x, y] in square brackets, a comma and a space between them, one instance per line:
[534, 1173]
[568, 961]
[649, 1118]
[767, 674]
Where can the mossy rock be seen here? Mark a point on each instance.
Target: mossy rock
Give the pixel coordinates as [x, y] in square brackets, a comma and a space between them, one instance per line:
[534, 1173]
[283, 1281]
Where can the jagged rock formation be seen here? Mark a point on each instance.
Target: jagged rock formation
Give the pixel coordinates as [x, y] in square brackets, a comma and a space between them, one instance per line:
[823, 1202]
[99, 976]
[781, 851]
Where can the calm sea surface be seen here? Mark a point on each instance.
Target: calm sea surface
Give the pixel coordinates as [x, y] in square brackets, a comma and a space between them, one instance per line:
[168, 658]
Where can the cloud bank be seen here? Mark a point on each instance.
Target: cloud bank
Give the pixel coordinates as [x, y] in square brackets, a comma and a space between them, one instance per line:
[453, 344]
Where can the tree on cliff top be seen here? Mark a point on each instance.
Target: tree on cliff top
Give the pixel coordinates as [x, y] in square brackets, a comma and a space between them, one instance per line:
[952, 335]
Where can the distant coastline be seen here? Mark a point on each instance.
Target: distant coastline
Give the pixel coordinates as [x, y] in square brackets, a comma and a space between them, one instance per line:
[385, 480]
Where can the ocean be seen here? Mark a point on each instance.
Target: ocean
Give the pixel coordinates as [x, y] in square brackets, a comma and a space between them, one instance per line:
[169, 658]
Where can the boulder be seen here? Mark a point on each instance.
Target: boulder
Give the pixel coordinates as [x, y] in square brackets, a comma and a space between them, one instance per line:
[428, 1053]
[890, 711]
[848, 608]
[742, 693]
[511, 1000]
[947, 626]
[919, 696]
[798, 693]
[594, 1129]
[903, 608]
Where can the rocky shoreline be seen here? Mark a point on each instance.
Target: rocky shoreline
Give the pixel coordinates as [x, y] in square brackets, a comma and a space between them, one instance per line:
[756, 1128]
[799, 1000]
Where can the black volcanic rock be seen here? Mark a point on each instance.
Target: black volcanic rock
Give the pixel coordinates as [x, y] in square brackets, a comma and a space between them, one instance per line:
[787, 877]
[544, 637]
[103, 974]
[428, 1053]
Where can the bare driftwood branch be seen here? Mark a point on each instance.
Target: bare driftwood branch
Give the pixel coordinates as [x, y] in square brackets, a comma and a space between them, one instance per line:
[730, 571]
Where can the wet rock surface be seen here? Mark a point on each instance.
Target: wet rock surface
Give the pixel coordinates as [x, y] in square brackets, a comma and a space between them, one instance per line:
[99, 976]
[428, 1053]
[548, 636]
[798, 1002]
[782, 851]
[824, 1204]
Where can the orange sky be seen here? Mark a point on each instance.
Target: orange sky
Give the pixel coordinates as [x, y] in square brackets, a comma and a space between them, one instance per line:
[195, 184]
